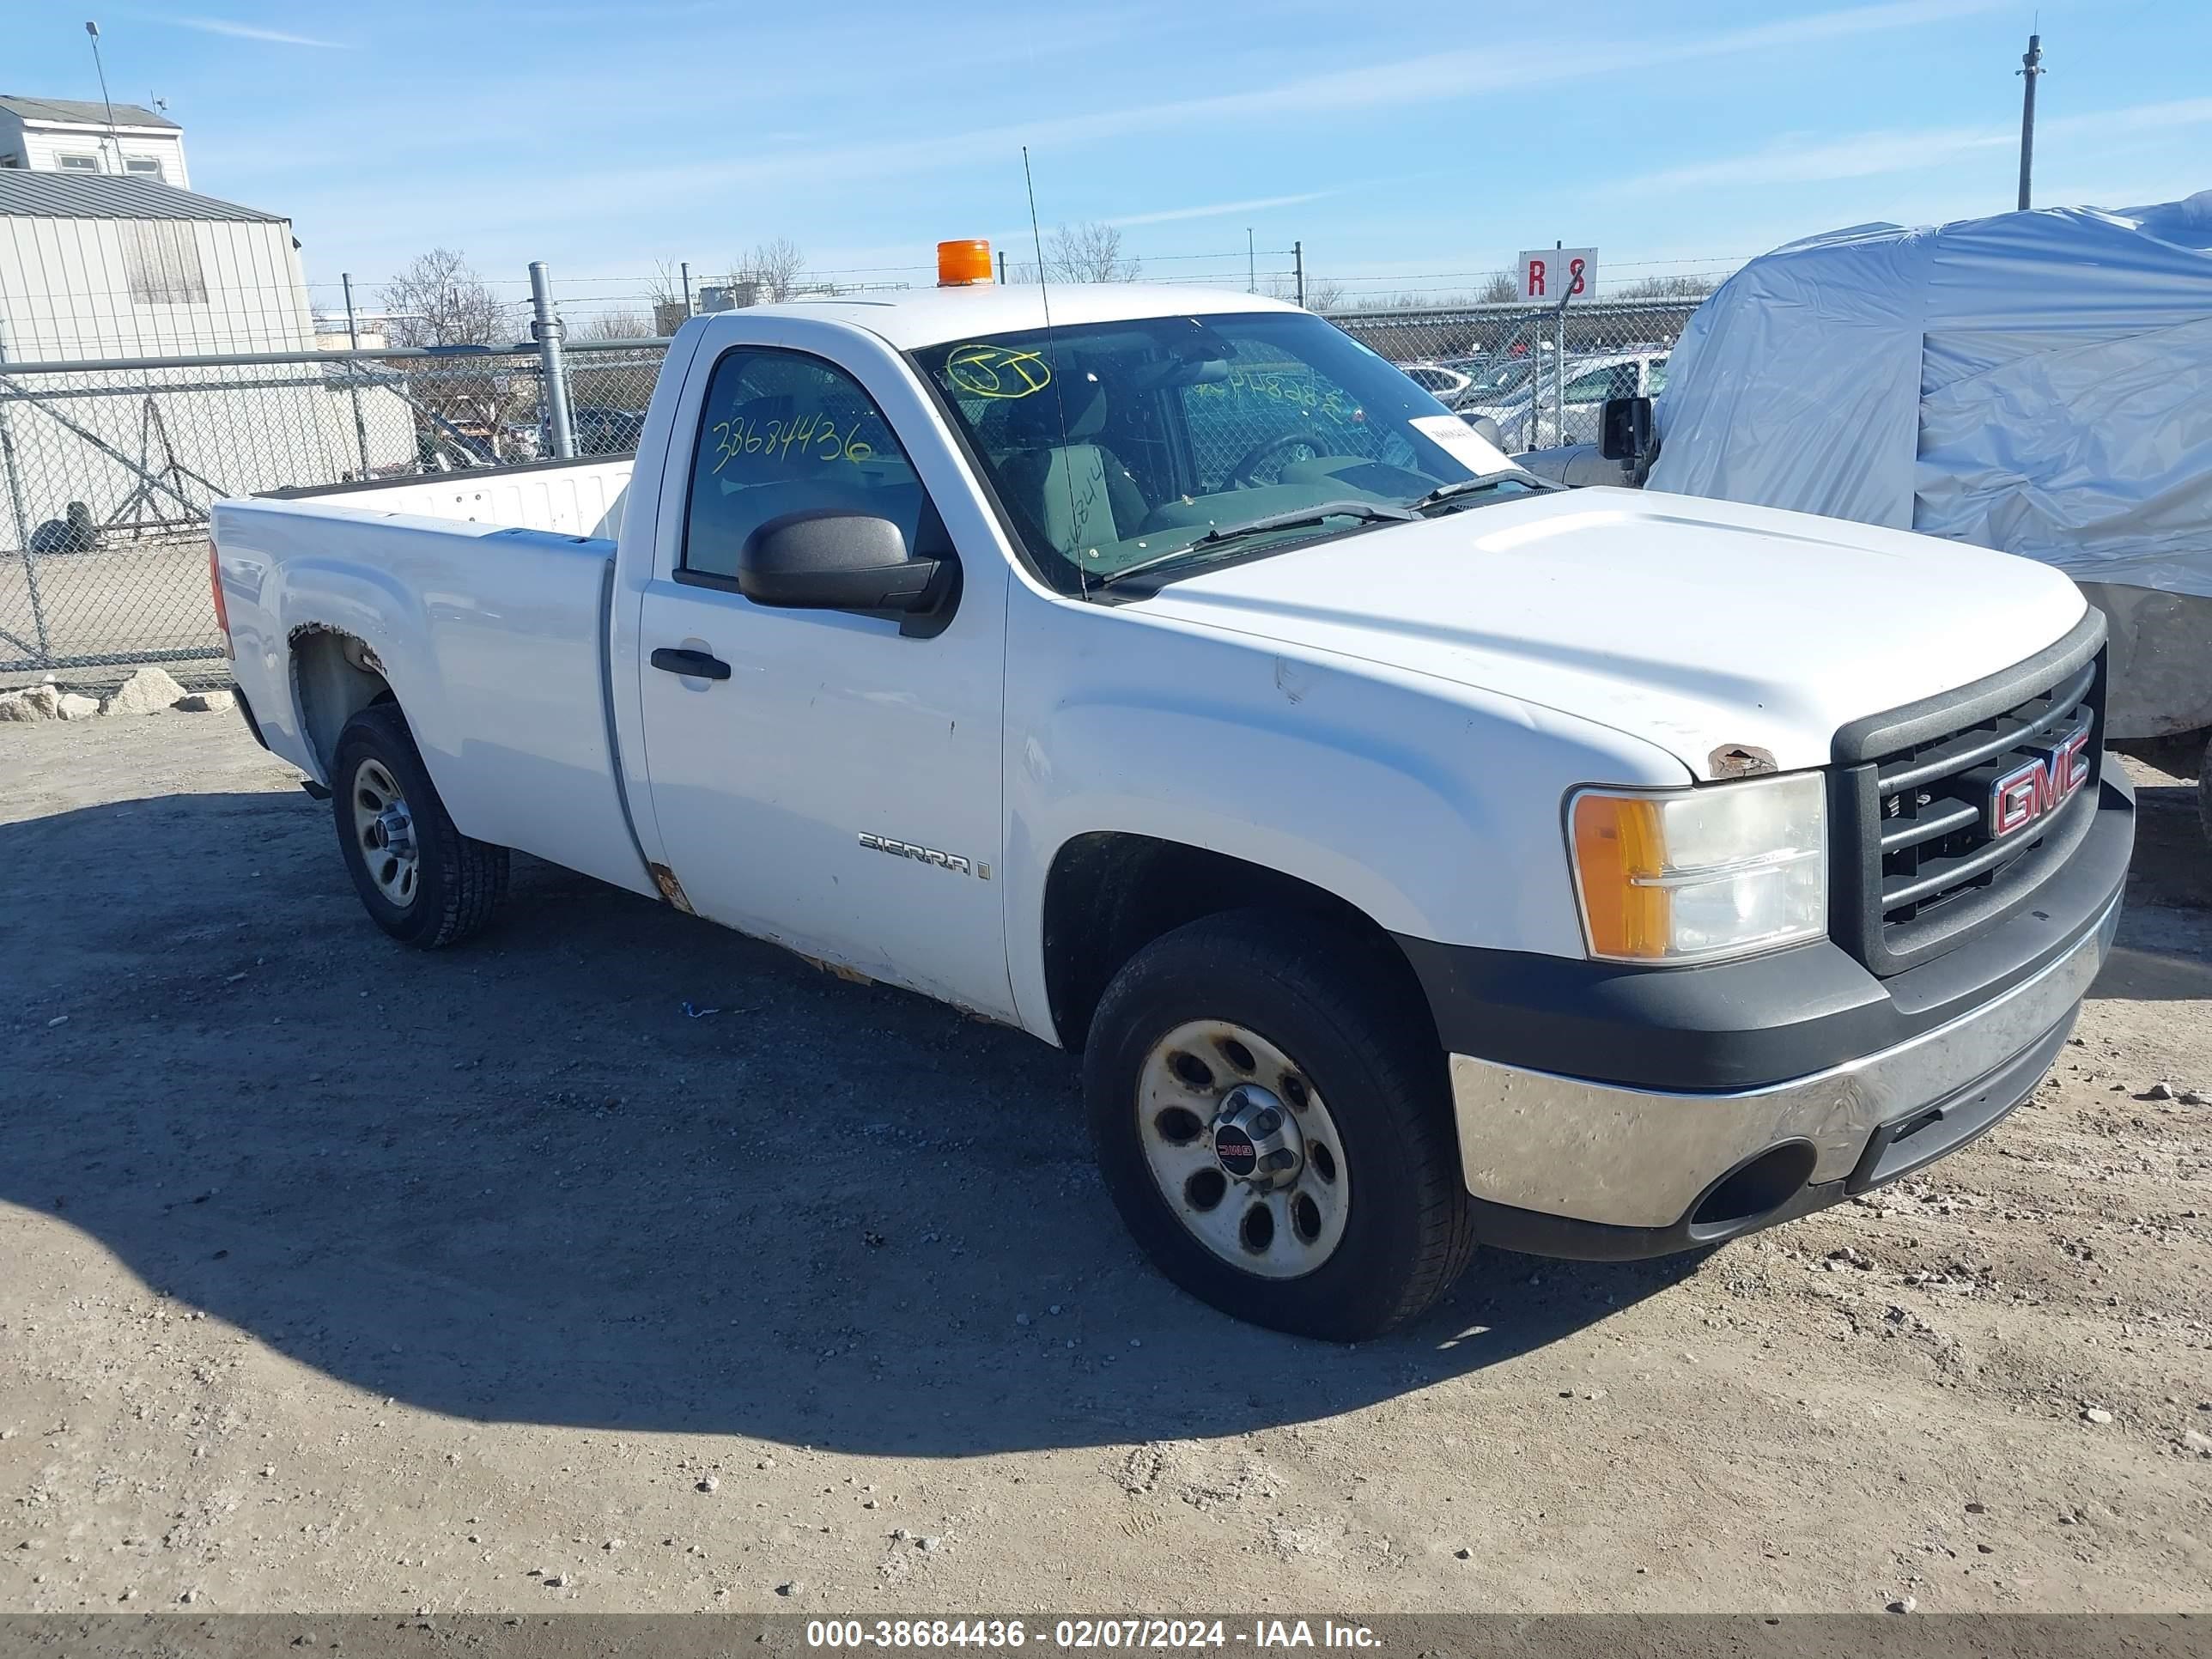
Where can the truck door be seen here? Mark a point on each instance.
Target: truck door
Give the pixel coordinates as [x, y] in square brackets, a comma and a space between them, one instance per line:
[838, 791]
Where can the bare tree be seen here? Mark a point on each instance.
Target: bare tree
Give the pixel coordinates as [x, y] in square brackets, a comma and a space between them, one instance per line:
[1666, 288]
[665, 294]
[615, 323]
[1500, 288]
[1324, 295]
[465, 411]
[439, 300]
[1089, 253]
[772, 271]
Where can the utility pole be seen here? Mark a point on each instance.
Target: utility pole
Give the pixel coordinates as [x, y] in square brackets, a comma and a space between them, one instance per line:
[685, 267]
[353, 372]
[2030, 66]
[92, 29]
[1251, 264]
[552, 373]
[1298, 267]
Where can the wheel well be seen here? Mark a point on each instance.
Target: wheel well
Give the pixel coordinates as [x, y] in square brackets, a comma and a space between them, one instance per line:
[1110, 894]
[336, 676]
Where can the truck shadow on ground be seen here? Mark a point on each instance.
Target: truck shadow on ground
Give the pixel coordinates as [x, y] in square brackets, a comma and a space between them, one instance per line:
[2164, 953]
[518, 1181]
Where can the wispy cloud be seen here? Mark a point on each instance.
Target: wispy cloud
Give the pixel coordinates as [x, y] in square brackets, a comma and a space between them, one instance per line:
[1219, 210]
[1872, 155]
[1433, 78]
[254, 32]
[1794, 162]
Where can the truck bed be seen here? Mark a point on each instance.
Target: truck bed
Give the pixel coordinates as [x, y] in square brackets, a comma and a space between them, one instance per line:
[482, 597]
[570, 498]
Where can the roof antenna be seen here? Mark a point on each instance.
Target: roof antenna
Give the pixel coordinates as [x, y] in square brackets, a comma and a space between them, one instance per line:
[92, 29]
[1059, 396]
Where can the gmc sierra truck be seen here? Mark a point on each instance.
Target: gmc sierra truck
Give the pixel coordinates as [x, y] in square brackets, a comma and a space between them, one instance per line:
[1416, 852]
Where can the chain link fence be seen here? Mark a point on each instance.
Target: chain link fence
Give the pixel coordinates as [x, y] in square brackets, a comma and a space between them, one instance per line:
[1540, 375]
[109, 471]
[111, 467]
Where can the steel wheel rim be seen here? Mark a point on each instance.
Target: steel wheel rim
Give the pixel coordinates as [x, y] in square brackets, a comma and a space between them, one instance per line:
[1208, 1075]
[384, 831]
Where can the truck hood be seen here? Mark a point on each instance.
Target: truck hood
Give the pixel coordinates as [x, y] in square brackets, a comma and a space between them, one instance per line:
[1699, 626]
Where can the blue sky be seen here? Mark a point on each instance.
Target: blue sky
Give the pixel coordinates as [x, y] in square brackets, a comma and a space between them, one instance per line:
[1404, 144]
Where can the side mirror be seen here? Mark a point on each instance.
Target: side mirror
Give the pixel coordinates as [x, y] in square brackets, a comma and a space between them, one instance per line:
[831, 559]
[1488, 431]
[1625, 429]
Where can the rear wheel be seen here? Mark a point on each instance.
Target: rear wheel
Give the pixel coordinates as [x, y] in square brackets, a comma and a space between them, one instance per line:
[420, 879]
[1275, 1128]
[2204, 790]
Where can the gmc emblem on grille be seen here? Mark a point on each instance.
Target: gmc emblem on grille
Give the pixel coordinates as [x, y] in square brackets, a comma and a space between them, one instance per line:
[2038, 789]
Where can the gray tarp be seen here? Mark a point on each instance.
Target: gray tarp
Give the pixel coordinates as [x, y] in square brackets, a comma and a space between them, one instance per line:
[2038, 382]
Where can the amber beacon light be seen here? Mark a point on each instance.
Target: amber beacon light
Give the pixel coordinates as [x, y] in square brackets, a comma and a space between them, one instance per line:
[962, 263]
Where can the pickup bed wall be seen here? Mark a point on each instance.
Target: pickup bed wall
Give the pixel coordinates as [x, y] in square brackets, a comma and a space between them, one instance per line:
[491, 637]
[570, 498]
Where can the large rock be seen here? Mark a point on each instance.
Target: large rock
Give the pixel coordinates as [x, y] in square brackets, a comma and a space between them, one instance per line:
[71, 706]
[149, 692]
[207, 703]
[32, 702]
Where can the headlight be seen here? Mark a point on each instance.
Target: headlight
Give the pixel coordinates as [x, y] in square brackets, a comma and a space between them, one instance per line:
[1689, 875]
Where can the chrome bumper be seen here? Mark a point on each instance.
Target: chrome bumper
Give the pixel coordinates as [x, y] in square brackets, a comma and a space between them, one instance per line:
[1601, 1152]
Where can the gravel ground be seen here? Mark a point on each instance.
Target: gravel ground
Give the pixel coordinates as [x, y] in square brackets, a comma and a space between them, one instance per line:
[333, 1276]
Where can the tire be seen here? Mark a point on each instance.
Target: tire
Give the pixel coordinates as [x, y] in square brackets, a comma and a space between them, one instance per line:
[1393, 1226]
[2204, 791]
[452, 885]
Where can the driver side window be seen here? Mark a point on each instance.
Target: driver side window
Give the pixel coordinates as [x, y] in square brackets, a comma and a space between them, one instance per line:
[782, 432]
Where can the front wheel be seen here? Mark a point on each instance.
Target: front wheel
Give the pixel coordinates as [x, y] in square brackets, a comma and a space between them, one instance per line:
[2204, 791]
[1275, 1128]
[420, 879]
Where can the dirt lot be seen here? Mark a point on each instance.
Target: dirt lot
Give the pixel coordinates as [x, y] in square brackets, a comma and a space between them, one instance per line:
[335, 1277]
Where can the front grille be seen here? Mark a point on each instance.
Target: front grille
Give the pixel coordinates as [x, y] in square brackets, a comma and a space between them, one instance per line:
[1920, 865]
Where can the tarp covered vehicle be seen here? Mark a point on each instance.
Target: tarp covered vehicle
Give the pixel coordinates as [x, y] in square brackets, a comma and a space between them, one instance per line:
[2037, 382]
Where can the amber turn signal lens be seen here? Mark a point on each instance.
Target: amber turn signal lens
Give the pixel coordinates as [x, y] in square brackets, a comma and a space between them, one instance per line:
[961, 263]
[1618, 841]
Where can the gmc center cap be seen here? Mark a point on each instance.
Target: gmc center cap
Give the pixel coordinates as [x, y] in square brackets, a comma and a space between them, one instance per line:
[1257, 1139]
[1238, 1156]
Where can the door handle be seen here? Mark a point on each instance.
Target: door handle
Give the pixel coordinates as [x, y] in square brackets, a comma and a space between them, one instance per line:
[692, 664]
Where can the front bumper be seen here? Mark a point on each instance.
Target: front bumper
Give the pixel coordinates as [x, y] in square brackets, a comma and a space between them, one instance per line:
[1615, 1166]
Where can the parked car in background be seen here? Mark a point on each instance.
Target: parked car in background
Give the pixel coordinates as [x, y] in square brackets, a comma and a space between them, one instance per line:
[1536, 411]
[446, 447]
[1446, 381]
[598, 430]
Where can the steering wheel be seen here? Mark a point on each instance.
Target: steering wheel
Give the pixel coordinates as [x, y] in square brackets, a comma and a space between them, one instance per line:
[1240, 476]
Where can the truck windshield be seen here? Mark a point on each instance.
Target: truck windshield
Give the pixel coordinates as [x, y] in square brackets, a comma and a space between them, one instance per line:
[1114, 444]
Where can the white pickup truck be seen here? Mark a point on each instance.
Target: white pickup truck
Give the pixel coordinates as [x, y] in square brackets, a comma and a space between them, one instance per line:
[1416, 852]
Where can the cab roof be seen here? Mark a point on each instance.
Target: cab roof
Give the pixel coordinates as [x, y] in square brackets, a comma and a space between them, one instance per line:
[913, 318]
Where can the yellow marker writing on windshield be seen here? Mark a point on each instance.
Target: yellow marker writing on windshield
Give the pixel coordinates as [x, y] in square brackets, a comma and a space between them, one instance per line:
[989, 371]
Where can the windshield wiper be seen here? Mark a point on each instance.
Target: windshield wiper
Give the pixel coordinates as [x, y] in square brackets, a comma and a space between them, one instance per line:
[1297, 519]
[1443, 493]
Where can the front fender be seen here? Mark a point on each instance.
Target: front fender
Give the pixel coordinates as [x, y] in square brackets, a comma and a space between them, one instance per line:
[1434, 809]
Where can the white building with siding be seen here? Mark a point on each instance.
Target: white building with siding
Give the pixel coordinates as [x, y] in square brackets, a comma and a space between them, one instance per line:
[70, 135]
[101, 267]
